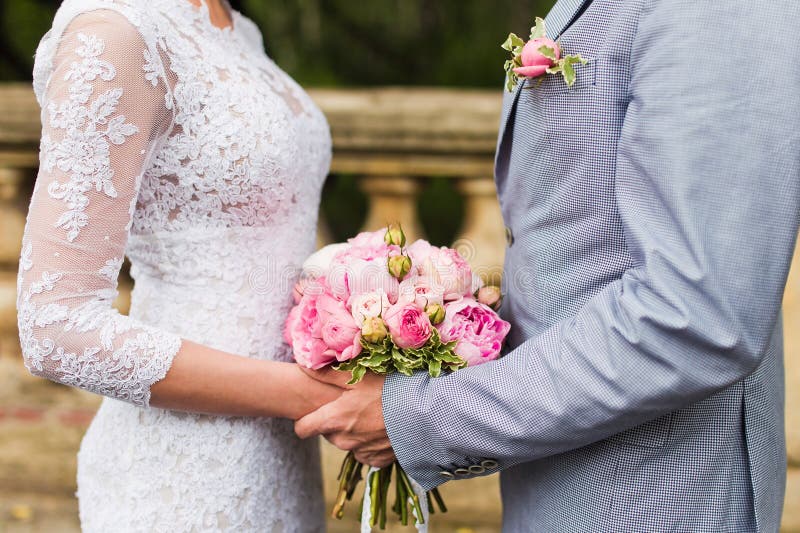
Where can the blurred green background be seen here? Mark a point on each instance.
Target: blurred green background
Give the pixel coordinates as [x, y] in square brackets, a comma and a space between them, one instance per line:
[349, 43]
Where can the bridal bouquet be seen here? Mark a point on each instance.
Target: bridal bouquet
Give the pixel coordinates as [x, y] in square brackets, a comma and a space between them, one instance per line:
[373, 304]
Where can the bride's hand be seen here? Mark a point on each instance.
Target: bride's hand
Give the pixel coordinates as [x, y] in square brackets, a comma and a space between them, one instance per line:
[307, 394]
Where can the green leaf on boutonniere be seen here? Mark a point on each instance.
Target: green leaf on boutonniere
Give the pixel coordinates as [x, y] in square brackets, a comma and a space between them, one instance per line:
[566, 67]
[547, 52]
[512, 42]
[539, 29]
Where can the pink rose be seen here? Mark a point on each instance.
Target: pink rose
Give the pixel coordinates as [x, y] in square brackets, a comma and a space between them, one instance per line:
[368, 305]
[534, 63]
[477, 330]
[303, 332]
[408, 325]
[339, 331]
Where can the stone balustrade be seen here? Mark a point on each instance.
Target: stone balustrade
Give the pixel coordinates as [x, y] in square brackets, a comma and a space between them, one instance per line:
[393, 139]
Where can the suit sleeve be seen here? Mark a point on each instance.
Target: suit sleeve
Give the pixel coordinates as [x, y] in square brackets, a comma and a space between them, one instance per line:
[707, 178]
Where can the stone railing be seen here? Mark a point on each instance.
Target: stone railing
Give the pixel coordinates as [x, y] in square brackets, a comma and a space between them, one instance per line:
[393, 139]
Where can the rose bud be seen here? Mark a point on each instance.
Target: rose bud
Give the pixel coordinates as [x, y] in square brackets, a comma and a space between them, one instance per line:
[537, 56]
[399, 266]
[435, 313]
[374, 329]
[394, 235]
[490, 296]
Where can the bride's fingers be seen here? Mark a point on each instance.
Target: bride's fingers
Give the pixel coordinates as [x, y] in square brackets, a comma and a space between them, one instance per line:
[329, 376]
[317, 422]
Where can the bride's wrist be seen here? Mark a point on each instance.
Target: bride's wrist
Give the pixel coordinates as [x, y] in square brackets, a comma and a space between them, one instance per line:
[288, 398]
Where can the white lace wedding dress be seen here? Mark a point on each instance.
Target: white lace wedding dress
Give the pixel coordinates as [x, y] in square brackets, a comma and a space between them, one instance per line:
[182, 146]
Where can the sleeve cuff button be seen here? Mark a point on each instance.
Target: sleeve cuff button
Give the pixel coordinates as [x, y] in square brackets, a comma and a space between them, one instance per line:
[489, 464]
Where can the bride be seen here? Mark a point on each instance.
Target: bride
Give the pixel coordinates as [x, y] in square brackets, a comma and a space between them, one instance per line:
[170, 137]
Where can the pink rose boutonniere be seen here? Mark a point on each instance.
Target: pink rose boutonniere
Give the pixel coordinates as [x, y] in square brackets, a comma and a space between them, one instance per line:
[539, 56]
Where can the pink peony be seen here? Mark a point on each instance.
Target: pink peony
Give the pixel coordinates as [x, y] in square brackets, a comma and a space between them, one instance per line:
[449, 273]
[408, 324]
[368, 246]
[303, 332]
[419, 251]
[339, 331]
[358, 276]
[421, 291]
[477, 330]
[319, 263]
[534, 63]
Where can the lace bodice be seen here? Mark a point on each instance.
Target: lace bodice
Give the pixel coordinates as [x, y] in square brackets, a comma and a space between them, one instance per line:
[179, 144]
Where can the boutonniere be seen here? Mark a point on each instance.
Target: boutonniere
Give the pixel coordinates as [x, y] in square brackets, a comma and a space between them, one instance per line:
[539, 56]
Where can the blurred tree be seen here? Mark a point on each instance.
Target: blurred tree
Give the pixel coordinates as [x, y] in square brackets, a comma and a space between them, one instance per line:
[341, 42]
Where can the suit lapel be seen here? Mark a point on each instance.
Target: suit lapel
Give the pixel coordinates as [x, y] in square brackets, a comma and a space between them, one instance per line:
[557, 21]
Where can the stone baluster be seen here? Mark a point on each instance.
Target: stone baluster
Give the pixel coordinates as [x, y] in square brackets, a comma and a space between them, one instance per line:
[481, 239]
[791, 328]
[12, 220]
[392, 199]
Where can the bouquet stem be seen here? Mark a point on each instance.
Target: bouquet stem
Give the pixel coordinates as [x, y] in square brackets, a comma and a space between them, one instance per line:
[379, 483]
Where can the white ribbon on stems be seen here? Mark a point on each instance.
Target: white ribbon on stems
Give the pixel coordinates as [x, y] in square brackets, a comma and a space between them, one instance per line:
[366, 510]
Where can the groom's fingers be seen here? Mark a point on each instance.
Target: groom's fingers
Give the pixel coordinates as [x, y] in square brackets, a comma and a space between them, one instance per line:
[330, 376]
[318, 422]
[377, 459]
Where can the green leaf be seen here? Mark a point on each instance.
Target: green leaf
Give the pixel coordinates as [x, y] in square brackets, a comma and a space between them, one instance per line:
[512, 42]
[569, 69]
[569, 73]
[511, 81]
[435, 369]
[574, 59]
[566, 67]
[548, 52]
[539, 29]
[358, 375]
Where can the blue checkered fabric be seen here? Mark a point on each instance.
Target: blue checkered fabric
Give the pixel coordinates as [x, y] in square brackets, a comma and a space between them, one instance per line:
[654, 210]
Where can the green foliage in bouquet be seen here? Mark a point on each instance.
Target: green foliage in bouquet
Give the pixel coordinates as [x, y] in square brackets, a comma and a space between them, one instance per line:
[385, 357]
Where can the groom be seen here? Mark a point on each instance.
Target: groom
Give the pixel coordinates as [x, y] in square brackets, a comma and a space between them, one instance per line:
[652, 212]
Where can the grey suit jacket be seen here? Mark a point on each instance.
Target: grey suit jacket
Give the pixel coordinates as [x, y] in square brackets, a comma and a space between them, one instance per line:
[654, 212]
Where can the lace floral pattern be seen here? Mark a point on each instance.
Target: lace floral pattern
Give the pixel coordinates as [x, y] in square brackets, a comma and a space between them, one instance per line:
[184, 147]
[83, 153]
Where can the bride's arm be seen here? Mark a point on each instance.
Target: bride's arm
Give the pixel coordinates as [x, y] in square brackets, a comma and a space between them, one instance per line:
[205, 380]
[105, 108]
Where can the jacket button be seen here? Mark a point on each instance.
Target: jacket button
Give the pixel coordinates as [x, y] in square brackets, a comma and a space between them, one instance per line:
[461, 472]
[509, 237]
[489, 464]
[447, 475]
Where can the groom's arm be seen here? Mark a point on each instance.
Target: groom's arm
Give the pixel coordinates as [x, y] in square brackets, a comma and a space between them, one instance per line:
[707, 187]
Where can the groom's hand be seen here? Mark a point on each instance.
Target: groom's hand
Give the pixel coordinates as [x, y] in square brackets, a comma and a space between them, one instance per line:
[353, 422]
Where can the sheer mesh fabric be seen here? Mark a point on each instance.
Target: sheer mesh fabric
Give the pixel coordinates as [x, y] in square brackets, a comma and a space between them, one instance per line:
[105, 110]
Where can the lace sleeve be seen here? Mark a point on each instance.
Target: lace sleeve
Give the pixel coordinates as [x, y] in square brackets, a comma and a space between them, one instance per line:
[104, 108]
